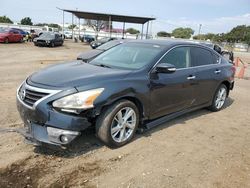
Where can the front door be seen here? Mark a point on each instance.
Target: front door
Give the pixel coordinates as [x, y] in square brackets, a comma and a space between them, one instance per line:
[172, 92]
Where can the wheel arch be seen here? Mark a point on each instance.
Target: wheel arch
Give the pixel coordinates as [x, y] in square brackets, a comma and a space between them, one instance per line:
[133, 99]
[227, 84]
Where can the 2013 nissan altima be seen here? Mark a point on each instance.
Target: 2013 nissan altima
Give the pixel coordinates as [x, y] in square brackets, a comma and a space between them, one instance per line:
[136, 84]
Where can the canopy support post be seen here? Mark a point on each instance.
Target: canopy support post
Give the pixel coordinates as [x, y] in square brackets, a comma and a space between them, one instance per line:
[79, 29]
[72, 27]
[110, 20]
[142, 31]
[123, 30]
[147, 30]
[63, 24]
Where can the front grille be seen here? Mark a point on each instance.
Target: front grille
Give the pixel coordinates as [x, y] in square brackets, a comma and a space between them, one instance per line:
[33, 96]
[30, 96]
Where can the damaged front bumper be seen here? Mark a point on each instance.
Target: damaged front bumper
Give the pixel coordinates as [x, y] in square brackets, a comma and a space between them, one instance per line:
[37, 134]
[43, 124]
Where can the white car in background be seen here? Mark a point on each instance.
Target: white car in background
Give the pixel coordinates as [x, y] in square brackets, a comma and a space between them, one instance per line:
[68, 35]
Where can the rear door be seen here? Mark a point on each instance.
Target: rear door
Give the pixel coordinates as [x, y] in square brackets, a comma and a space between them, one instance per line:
[17, 36]
[11, 36]
[207, 73]
[175, 91]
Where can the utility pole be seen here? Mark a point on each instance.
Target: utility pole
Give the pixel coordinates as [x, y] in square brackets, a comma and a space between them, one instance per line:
[200, 31]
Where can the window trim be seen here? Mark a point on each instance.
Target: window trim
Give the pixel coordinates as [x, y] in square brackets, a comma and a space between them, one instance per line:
[211, 53]
[183, 45]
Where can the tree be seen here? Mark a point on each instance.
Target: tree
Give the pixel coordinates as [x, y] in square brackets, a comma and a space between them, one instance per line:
[26, 21]
[5, 19]
[49, 25]
[208, 36]
[132, 31]
[55, 26]
[98, 25]
[180, 32]
[163, 34]
[239, 33]
[72, 26]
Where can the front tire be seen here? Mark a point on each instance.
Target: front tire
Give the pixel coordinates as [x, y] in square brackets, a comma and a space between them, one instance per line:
[6, 40]
[219, 98]
[117, 124]
[52, 44]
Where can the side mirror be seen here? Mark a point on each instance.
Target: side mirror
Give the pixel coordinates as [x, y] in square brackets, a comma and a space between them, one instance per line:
[165, 68]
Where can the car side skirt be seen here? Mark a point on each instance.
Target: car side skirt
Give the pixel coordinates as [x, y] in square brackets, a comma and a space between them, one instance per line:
[171, 116]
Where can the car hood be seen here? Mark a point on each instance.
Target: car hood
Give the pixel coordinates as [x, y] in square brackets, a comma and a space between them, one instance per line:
[75, 74]
[85, 56]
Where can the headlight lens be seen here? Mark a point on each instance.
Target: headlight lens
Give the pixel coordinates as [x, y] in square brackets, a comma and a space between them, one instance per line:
[81, 100]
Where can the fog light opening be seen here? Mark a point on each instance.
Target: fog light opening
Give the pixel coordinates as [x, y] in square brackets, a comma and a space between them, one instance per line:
[64, 139]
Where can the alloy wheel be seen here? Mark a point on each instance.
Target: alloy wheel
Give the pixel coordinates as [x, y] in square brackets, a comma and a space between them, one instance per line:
[123, 124]
[221, 98]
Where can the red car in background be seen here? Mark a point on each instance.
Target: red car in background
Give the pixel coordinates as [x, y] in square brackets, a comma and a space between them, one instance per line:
[10, 35]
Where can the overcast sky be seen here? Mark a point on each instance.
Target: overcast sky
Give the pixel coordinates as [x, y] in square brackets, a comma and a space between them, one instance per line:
[214, 15]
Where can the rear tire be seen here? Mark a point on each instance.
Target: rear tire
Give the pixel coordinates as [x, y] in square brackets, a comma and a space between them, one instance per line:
[117, 124]
[219, 98]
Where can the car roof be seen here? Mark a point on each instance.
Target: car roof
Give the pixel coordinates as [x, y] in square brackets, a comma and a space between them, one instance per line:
[167, 42]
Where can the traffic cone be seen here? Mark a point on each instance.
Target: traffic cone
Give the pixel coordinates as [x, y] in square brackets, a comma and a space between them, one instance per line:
[237, 62]
[242, 72]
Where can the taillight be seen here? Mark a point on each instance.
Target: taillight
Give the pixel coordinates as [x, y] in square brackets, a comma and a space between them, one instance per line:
[233, 69]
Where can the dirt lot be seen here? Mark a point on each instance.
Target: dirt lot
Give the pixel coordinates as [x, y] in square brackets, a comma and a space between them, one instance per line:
[200, 149]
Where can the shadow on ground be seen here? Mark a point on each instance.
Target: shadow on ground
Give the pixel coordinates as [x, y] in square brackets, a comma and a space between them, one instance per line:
[88, 142]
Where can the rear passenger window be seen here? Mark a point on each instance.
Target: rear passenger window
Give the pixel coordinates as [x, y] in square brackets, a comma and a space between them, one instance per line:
[201, 56]
[179, 57]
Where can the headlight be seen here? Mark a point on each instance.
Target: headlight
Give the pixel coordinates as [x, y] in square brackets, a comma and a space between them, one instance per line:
[81, 100]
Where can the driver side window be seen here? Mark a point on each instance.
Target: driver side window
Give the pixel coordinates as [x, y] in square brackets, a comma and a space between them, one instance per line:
[179, 57]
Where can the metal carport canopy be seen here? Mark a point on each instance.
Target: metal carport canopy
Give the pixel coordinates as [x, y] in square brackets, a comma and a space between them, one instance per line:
[106, 17]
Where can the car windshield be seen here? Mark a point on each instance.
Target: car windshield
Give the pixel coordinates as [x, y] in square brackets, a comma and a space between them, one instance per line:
[47, 35]
[128, 56]
[109, 45]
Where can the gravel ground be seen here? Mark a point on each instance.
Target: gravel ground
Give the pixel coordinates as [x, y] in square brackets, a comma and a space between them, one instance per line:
[199, 149]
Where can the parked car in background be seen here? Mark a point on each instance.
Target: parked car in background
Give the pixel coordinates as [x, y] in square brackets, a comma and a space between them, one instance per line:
[22, 32]
[229, 55]
[91, 54]
[10, 35]
[68, 35]
[240, 47]
[49, 39]
[100, 42]
[139, 83]
[34, 34]
[87, 38]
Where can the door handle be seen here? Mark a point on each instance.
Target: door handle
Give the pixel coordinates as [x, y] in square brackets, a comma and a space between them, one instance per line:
[191, 77]
[217, 71]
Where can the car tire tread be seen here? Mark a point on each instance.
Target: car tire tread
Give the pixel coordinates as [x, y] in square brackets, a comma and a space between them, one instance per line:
[103, 123]
[213, 106]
